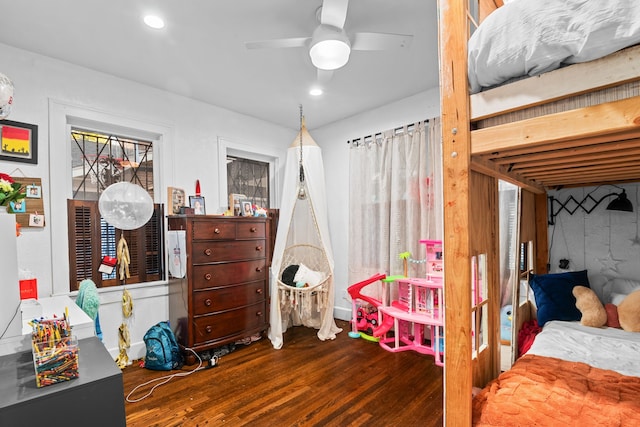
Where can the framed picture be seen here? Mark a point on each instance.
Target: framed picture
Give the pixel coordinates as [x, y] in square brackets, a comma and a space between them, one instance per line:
[234, 203]
[197, 204]
[175, 199]
[18, 142]
[18, 207]
[33, 191]
[247, 210]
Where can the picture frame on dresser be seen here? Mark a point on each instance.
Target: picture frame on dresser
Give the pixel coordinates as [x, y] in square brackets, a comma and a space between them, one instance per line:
[247, 209]
[197, 204]
[175, 200]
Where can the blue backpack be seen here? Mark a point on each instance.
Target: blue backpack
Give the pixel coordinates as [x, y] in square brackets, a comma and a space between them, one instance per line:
[163, 352]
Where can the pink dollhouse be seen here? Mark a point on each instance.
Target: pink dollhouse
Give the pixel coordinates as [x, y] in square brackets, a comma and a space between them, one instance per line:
[417, 315]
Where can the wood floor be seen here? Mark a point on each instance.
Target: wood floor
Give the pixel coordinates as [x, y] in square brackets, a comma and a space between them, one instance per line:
[343, 382]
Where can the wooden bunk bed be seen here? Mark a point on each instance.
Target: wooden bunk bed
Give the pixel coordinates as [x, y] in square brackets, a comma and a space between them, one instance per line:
[536, 133]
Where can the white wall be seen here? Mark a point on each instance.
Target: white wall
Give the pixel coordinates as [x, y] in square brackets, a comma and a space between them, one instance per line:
[189, 151]
[335, 154]
[603, 242]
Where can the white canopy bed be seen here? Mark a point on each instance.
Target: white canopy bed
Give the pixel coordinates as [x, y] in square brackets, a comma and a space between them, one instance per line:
[302, 291]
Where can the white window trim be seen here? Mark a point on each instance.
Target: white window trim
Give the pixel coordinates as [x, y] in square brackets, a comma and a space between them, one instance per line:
[63, 116]
[226, 147]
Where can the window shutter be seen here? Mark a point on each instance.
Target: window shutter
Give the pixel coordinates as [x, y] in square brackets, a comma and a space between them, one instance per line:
[90, 238]
[154, 259]
[84, 241]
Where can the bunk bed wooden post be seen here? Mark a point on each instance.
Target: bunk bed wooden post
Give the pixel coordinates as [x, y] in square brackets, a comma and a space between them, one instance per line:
[456, 149]
[464, 235]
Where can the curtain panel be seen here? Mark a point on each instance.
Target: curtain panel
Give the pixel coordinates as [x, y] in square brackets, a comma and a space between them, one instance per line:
[395, 183]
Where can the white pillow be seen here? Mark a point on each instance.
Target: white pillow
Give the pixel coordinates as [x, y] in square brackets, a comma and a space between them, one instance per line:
[616, 298]
[624, 286]
[306, 275]
[601, 285]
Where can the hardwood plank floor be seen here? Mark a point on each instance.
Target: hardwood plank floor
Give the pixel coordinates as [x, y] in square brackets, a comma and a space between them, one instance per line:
[341, 382]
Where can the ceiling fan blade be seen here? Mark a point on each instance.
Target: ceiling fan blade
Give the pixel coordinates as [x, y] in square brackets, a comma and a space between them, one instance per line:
[334, 12]
[278, 43]
[324, 75]
[379, 41]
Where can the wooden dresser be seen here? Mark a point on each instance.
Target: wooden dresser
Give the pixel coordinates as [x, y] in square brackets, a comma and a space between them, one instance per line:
[224, 295]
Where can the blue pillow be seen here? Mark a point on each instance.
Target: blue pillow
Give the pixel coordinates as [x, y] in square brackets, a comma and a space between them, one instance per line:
[554, 295]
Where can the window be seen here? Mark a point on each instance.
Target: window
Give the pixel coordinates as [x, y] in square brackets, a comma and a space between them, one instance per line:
[99, 160]
[249, 178]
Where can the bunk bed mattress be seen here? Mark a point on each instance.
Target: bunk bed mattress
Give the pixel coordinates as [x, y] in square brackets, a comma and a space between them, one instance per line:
[605, 348]
[571, 375]
[527, 38]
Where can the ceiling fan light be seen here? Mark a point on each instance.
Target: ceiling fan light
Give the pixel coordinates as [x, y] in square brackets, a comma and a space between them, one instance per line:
[330, 48]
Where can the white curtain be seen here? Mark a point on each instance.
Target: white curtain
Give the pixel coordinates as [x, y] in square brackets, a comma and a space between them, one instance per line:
[395, 200]
[508, 217]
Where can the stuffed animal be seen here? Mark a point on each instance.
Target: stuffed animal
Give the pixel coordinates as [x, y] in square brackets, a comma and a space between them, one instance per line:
[506, 318]
[593, 312]
[629, 312]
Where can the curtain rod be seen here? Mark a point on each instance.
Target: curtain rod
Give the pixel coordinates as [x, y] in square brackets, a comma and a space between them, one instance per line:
[395, 131]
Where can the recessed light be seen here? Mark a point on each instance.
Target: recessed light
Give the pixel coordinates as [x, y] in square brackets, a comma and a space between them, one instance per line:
[154, 21]
[316, 91]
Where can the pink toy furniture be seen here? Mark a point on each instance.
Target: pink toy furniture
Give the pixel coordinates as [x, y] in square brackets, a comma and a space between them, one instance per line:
[417, 315]
[354, 293]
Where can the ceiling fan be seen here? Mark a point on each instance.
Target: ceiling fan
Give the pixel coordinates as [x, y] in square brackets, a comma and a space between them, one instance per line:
[330, 45]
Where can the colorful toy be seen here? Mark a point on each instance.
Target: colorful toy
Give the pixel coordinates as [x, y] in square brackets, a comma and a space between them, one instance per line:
[416, 317]
[367, 322]
[506, 315]
[354, 292]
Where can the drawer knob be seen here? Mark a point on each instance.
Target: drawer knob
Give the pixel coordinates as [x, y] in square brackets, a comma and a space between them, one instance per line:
[258, 248]
[258, 314]
[259, 291]
[207, 302]
[208, 329]
[208, 252]
[208, 276]
[259, 269]
[253, 229]
[217, 231]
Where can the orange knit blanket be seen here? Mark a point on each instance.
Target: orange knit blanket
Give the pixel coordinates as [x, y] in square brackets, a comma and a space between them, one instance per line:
[545, 391]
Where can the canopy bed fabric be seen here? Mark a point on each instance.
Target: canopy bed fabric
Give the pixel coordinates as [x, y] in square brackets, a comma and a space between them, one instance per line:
[303, 244]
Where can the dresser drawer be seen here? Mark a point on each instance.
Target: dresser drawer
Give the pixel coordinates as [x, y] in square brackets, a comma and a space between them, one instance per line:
[214, 230]
[251, 230]
[228, 297]
[227, 323]
[215, 275]
[206, 252]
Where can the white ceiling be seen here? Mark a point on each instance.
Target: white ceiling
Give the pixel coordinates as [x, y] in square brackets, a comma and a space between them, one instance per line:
[201, 54]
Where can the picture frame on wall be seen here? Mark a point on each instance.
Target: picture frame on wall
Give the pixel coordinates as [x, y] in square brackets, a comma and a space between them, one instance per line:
[197, 204]
[247, 209]
[18, 142]
[33, 191]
